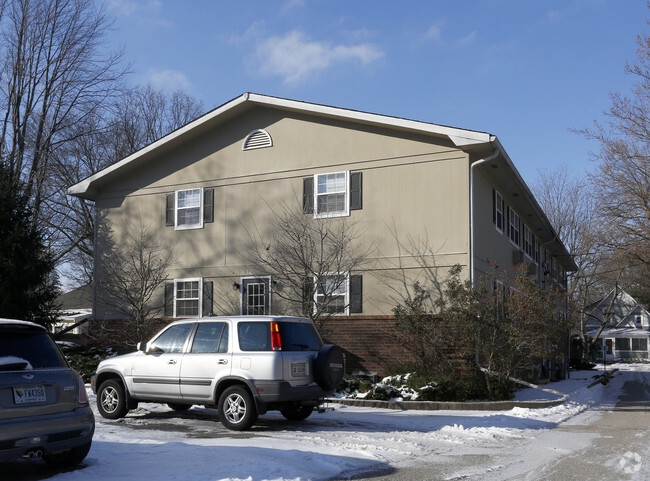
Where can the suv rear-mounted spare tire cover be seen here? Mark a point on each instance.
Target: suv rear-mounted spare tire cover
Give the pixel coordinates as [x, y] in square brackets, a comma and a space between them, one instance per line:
[328, 367]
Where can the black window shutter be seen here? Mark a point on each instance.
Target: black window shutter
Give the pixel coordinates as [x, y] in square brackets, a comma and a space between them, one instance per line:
[208, 205]
[169, 299]
[307, 296]
[169, 216]
[356, 288]
[206, 309]
[308, 195]
[494, 206]
[356, 198]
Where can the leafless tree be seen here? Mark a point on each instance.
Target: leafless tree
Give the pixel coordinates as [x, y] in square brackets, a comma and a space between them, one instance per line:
[622, 178]
[575, 213]
[311, 259]
[54, 75]
[132, 274]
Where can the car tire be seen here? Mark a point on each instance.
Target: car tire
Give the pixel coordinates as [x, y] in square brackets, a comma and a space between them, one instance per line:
[297, 411]
[67, 458]
[237, 409]
[111, 400]
[179, 407]
[328, 367]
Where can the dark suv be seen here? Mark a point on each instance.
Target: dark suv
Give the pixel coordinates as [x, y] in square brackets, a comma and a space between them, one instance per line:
[44, 409]
[245, 366]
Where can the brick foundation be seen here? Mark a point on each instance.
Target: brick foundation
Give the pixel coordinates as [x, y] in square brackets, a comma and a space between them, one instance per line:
[370, 343]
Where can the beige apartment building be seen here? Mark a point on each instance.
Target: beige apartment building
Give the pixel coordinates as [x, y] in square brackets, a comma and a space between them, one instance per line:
[416, 192]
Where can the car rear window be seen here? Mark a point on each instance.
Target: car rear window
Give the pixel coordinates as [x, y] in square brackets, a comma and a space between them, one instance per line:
[36, 348]
[295, 336]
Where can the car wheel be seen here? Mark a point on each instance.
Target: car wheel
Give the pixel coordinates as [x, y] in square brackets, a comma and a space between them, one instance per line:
[328, 367]
[237, 410]
[111, 401]
[179, 407]
[67, 458]
[297, 411]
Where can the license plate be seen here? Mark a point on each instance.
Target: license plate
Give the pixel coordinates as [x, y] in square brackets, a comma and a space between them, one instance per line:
[29, 394]
[299, 368]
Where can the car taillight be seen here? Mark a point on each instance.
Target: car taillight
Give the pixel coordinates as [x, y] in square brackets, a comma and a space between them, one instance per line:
[82, 395]
[276, 342]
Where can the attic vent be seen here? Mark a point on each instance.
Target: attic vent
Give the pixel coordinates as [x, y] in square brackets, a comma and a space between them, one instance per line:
[257, 139]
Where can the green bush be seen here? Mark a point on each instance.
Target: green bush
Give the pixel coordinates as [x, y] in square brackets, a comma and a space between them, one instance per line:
[85, 359]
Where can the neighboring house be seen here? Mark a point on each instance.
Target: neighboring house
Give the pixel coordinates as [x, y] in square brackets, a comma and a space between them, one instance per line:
[207, 185]
[625, 327]
[75, 307]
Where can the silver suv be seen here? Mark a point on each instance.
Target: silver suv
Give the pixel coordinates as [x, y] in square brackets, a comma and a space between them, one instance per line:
[245, 366]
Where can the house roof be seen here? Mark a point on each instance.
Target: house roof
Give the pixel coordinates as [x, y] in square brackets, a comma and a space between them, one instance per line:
[623, 307]
[79, 298]
[477, 144]
[621, 332]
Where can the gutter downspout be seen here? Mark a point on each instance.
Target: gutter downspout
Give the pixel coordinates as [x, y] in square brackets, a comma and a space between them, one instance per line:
[493, 156]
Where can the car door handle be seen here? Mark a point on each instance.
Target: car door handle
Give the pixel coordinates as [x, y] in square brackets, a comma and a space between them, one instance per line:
[222, 361]
[171, 361]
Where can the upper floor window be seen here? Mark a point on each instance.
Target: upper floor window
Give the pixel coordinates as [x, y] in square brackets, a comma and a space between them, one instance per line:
[497, 210]
[332, 194]
[190, 208]
[514, 227]
[529, 244]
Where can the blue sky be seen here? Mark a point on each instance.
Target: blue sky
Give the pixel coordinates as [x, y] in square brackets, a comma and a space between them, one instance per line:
[526, 71]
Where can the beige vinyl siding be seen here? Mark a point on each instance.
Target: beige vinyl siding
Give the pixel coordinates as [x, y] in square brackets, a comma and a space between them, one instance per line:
[412, 185]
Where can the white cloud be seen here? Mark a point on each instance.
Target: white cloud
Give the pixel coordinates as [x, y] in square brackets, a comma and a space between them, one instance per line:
[434, 32]
[294, 57]
[467, 39]
[169, 80]
[146, 11]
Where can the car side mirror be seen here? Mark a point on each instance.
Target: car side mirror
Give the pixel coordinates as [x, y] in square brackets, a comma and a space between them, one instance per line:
[142, 346]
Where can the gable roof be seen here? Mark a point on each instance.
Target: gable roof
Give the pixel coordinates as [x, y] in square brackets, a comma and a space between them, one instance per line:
[464, 139]
[623, 307]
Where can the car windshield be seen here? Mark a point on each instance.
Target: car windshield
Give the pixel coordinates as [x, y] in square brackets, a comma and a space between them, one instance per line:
[28, 350]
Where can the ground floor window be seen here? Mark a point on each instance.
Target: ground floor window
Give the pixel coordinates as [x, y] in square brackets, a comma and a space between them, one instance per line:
[639, 344]
[187, 297]
[255, 296]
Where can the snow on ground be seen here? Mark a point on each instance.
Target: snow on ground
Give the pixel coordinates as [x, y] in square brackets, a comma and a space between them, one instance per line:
[154, 443]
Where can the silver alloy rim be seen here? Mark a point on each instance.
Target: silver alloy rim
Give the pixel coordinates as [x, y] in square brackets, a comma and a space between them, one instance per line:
[110, 399]
[235, 408]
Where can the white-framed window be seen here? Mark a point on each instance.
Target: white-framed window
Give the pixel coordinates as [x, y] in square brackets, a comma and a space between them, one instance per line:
[331, 195]
[513, 227]
[529, 247]
[498, 211]
[333, 293]
[536, 250]
[255, 296]
[189, 209]
[187, 297]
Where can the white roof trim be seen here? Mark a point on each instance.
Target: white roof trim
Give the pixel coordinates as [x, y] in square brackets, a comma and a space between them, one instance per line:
[459, 137]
